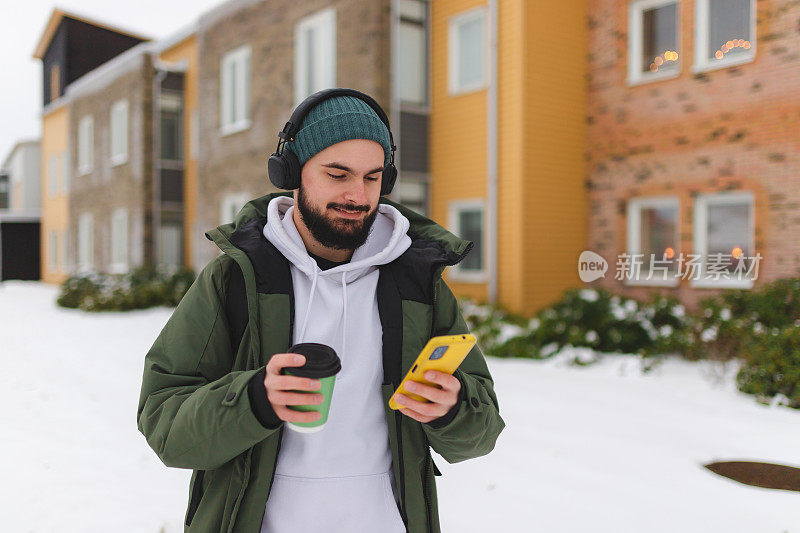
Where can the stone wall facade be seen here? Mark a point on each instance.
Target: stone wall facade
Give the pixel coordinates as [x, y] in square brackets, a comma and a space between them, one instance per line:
[108, 187]
[237, 162]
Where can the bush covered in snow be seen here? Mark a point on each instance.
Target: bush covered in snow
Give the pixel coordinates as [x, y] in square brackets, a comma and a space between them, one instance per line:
[761, 327]
[771, 367]
[141, 288]
[591, 318]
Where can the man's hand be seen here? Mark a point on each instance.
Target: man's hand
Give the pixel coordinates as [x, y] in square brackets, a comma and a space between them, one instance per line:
[443, 395]
[279, 386]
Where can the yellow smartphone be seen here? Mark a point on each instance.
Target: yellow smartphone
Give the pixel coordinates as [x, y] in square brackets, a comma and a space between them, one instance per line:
[443, 353]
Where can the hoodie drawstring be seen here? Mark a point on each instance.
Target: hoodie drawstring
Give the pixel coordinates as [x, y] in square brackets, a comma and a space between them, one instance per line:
[344, 318]
[308, 309]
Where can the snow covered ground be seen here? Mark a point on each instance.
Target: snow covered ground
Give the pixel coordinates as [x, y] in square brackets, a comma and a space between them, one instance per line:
[598, 448]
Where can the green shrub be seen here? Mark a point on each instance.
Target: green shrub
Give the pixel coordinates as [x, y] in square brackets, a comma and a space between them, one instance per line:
[771, 365]
[141, 288]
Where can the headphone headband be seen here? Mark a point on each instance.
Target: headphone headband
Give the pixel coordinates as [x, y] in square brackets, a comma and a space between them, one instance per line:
[283, 168]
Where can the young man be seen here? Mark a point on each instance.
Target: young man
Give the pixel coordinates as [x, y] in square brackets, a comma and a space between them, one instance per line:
[332, 263]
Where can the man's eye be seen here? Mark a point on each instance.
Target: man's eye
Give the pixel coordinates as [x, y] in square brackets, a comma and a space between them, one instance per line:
[335, 176]
[372, 178]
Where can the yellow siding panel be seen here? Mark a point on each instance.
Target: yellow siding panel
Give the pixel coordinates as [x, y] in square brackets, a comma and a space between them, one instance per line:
[55, 209]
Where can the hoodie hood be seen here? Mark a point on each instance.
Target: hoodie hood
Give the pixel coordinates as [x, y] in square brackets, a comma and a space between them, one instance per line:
[387, 240]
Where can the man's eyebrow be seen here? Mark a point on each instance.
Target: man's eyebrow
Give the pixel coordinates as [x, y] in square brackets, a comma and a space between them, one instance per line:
[350, 170]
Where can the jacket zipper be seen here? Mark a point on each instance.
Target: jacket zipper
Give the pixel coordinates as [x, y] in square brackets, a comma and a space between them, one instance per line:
[403, 513]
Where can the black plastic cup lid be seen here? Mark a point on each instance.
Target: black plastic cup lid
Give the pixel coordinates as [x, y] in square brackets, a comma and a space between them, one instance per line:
[321, 360]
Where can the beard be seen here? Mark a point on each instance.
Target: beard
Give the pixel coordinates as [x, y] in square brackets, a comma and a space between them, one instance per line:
[335, 232]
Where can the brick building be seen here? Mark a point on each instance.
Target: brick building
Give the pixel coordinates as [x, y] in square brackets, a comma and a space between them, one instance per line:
[693, 143]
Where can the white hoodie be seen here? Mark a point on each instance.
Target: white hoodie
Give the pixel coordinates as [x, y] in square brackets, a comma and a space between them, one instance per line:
[340, 478]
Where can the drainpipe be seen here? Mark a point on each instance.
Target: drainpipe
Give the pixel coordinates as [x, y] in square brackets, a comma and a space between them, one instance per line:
[491, 171]
[394, 92]
[156, 153]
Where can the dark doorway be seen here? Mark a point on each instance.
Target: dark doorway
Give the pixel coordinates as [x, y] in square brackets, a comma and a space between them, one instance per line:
[19, 251]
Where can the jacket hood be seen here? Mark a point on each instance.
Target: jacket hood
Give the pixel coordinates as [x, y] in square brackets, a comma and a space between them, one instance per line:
[442, 246]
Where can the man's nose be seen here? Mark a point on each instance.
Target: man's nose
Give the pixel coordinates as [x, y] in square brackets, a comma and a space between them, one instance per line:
[356, 192]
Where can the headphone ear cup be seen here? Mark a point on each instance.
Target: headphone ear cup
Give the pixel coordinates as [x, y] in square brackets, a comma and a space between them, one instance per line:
[388, 178]
[284, 170]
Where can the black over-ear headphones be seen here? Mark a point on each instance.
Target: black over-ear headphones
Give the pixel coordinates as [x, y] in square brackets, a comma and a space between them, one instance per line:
[283, 166]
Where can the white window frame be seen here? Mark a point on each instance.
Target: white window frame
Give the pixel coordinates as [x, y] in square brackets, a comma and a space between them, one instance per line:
[701, 203]
[118, 132]
[86, 242]
[701, 63]
[407, 9]
[241, 91]
[236, 199]
[634, 224]
[324, 22]
[635, 39]
[454, 208]
[453, 51]
[118, 247]
[85, 145]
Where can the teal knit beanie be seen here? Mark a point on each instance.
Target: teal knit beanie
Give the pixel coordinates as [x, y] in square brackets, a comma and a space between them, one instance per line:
[338, 119]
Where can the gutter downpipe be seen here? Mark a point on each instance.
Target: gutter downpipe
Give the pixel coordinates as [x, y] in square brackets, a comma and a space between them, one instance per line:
[394, 92]
[491, 171]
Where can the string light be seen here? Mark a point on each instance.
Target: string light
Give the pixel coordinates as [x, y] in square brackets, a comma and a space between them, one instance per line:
[730, 45]
[669, 55]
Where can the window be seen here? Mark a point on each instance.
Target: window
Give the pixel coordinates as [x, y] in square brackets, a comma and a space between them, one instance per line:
[314, 54]
[724, 239]
[119, 132]
[171, 130]
[465, 219]
[725, 33]
[85, 145]
[231, 205]
[413, 52]
[52, 175]
[653, 241]
[653, 45]
[119, 241]
[467, 51]
[52, 251]
[85, 242]
[413, 194]
[234, 91]
[169, 245]
[65, 171]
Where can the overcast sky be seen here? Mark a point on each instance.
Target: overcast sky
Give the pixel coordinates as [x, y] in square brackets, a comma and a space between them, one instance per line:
[21, 86]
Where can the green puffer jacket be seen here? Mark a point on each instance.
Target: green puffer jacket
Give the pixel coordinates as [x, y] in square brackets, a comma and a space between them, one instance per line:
[195, 403]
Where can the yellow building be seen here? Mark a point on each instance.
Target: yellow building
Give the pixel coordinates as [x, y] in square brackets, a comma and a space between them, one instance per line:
[507, 145]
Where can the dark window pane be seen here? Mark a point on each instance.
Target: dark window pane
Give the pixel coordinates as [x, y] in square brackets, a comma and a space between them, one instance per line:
[471, 228]
[659, 39]
[170, 135]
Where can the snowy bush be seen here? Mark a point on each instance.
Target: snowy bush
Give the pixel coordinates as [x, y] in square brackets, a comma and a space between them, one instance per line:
[771, 367]
[141, 288]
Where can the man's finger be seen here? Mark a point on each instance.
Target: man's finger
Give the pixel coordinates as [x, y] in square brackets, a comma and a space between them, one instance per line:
[294, 398]
[288, 383]
[281, 360]
[446, 381]
[416, 416]
[433, 394]
[428, 409]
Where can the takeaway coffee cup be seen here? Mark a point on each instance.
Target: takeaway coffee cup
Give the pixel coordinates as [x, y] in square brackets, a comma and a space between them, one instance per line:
[323, 364]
